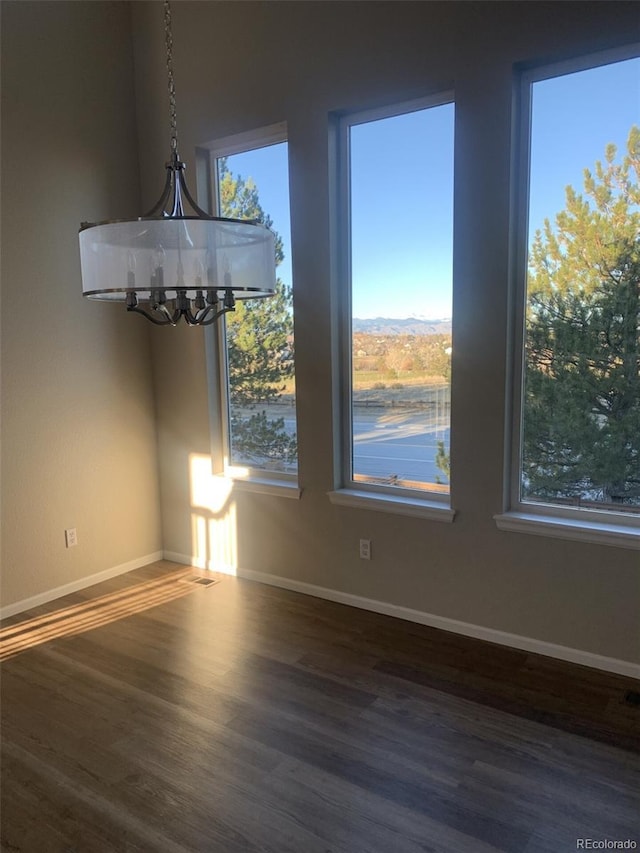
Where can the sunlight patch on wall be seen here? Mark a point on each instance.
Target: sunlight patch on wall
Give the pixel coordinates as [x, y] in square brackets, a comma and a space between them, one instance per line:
[214, 528]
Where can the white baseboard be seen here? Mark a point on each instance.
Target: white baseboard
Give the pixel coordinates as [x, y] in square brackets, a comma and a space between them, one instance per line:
[74, 586]
[209, 565]
[478, 632]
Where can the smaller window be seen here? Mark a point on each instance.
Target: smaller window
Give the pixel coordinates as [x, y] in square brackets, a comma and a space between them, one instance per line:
[251, 181]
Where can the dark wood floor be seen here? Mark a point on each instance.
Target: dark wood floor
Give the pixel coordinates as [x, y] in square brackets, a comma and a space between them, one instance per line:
[237, 717]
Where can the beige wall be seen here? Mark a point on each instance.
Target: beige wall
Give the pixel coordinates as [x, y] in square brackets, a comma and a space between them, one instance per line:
[240, 66]
[78, 420]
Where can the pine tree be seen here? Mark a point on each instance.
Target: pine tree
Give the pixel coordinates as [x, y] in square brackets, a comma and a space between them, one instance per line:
[443, 461]
[581, 436]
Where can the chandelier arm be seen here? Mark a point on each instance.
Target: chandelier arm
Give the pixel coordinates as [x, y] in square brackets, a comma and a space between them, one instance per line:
[215, 316]
[190, 319]
[160, 204]
[185, 189]
[166, 322]
[204, 312]
[177, 211]
[172, 318]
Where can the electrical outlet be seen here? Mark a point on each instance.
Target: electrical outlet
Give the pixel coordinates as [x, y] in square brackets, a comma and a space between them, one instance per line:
[365, 549]
[71, 537]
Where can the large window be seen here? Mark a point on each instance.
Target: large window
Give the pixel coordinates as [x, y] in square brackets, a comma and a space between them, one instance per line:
[578, 427]
[251, 181]
[397, 183]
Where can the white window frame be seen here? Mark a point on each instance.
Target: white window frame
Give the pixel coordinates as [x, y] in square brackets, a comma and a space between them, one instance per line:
[249, 478]
[605, 527]
[354, 493]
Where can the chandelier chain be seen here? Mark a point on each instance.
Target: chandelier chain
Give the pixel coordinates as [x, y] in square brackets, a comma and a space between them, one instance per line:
[171, 85]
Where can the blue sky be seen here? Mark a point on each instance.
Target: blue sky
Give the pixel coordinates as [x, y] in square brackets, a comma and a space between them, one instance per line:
[574, 117]
[269, 169]
[402, 177]
[402, 214]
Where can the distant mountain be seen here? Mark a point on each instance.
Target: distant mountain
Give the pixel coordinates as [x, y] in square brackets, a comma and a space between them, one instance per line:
[407, 326]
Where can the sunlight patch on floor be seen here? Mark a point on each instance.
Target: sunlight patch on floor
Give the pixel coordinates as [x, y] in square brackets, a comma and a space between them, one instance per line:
[96, 612]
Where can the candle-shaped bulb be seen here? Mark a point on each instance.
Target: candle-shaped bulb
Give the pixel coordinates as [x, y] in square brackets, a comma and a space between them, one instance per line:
[131, 270]
[159, 256]
[211, 268]
[198, 272]
[227, 272]
[158, 262]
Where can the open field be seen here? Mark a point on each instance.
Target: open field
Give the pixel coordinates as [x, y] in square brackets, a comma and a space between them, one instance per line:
[364, 380]
[410, 393]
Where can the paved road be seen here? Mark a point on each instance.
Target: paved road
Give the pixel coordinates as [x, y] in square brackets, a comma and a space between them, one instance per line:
[391, 442]
[397, 443]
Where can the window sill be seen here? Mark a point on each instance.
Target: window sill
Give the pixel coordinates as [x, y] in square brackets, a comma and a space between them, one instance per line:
[417, 507]
[581, 530]
[267, 486]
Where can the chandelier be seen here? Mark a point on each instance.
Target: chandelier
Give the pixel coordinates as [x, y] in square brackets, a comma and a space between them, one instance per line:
[167, 264]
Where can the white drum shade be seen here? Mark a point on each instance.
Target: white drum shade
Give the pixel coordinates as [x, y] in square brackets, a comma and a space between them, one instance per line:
[149, 257]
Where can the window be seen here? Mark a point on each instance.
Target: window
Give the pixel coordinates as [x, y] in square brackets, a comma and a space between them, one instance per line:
[577, 442]
[396, 170]
[251, 181]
